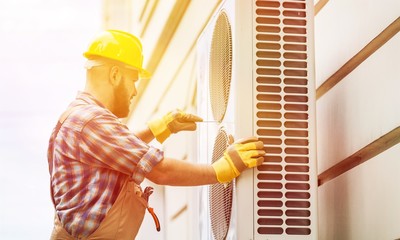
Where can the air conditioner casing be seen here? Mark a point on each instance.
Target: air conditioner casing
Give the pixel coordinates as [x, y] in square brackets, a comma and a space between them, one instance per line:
[271, 96]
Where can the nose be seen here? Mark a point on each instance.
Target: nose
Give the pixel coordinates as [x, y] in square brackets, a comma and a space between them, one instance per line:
[134, 90]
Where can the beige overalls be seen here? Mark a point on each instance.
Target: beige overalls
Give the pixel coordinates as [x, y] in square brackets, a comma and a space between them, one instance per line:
[122, 220]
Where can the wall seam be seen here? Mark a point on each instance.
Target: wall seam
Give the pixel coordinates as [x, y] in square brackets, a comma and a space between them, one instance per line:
[371, 150]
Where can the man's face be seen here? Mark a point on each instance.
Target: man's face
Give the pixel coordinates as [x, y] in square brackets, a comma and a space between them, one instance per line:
[124, 92]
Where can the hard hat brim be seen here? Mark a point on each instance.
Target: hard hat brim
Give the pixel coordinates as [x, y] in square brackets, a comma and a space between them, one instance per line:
[144, 74]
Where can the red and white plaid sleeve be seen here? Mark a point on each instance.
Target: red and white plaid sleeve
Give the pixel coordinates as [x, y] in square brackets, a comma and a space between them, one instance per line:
[108, 143]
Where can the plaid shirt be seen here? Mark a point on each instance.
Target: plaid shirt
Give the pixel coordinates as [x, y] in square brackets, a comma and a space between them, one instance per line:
[90, 158]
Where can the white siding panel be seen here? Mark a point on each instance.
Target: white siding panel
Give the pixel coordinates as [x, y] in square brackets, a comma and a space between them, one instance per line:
[361, 108]
[364, 202]
[343, 28]
[175, 199]
[155, 28]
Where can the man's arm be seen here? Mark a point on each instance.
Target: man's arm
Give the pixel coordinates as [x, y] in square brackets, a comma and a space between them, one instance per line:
[182, 173]
[145, 135]
[239, 156]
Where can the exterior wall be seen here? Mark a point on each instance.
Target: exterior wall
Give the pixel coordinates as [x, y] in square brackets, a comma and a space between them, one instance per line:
[362, 203]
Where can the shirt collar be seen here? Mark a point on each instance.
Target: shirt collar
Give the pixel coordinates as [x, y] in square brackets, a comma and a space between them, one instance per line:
[87, 97]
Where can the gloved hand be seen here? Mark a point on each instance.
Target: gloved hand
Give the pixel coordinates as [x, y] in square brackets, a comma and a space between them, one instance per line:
[173, 122]
[242, 154]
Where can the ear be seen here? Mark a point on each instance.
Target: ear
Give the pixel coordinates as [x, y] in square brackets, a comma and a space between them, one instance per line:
[115, 75]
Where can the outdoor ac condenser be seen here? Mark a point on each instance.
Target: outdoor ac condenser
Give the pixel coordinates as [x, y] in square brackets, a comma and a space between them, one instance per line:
[256, 78]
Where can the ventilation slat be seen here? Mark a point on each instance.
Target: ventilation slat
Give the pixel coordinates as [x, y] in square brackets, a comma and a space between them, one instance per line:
[283, 117]
[269, 185]
[270, 203]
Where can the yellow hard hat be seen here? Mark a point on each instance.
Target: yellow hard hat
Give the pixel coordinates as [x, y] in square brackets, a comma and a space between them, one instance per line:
[120, 46]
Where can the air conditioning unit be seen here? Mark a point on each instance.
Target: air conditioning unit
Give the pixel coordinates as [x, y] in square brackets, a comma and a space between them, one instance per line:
[255, 67]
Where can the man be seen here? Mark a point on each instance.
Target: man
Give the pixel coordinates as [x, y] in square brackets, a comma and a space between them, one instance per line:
[96, 163]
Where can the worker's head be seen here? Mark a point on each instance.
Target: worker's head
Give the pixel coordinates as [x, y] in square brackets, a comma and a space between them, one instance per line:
[114, 65]
[119, 46]
[113, 82]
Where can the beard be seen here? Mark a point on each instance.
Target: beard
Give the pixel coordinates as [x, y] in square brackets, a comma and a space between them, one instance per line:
[121, 101]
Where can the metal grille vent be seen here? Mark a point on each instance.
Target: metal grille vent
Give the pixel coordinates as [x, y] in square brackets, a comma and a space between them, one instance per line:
[220, 66]
[220, 195]
[283, 186]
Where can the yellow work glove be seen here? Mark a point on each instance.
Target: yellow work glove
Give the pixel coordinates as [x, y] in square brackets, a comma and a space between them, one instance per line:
[173, 122]
[242, 154]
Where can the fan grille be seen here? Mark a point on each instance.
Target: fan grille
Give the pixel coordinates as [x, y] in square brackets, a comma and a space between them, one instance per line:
[220, 66]
[220, 195]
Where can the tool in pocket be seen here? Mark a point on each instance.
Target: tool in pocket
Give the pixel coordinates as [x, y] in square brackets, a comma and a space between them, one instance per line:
[146, 194]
